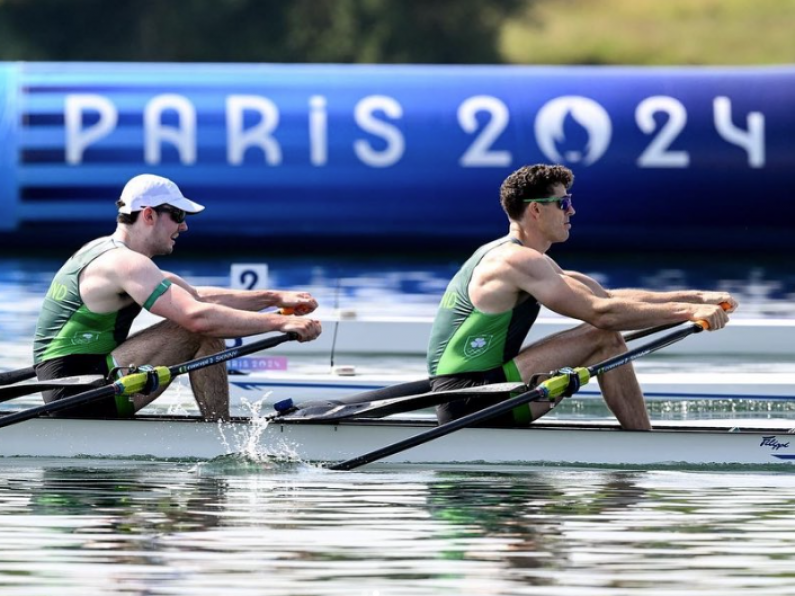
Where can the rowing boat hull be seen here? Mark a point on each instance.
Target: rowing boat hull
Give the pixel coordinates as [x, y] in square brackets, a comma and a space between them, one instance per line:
[562, 443]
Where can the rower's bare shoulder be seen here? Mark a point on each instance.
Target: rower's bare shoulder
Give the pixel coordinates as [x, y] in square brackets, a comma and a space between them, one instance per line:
[526, 260]
[118, 264]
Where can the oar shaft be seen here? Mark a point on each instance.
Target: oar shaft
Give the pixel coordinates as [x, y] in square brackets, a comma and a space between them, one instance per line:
[58, 405]
[135, 382]
[388, 400]
[652, 346]
[231, 353]
[439, 431]
[651, 331]
[15, 376]
[28, 387]
[549, 389]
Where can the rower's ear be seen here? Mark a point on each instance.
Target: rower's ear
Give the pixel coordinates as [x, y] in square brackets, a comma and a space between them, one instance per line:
[148, 215]
[533, 210]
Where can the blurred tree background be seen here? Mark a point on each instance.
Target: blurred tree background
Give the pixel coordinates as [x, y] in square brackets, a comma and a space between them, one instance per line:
[646, 32]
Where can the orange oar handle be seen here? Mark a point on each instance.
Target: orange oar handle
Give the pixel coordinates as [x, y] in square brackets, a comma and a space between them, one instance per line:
[704, 325]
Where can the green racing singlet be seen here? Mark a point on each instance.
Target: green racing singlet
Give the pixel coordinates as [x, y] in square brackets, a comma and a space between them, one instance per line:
[463, 339]
[66, 325]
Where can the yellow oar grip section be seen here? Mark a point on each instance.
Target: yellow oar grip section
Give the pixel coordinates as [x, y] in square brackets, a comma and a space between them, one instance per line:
[556, 386]
[135, 382]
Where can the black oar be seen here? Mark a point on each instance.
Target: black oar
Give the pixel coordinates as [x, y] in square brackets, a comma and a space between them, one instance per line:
[550, 389]
[135, 382]
[651, 331]
[34, 386]
[15, 376]
[331, 410]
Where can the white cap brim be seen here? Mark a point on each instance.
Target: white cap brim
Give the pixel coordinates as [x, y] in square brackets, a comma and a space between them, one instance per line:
[148, 190]
[183, 203]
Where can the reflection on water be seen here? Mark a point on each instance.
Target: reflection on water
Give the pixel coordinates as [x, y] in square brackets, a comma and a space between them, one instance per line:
[228, 527]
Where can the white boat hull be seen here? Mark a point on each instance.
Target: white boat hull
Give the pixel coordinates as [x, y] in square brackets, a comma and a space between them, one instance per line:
[562, 443]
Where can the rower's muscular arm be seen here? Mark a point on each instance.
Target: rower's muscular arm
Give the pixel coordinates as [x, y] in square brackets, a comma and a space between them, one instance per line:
[139, 276]
[301, 302]
[641, 295]
[582, 298]
[689, 296]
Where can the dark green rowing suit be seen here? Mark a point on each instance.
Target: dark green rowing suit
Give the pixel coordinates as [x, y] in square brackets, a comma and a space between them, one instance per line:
[469, 347]
[72, 340]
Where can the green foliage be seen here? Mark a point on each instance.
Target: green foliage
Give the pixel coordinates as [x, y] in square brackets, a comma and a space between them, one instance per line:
[645, 32]
[652, 32]
[372, 31]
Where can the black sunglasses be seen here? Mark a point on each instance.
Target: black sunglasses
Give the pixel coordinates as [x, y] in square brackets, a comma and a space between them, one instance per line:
[177, 215]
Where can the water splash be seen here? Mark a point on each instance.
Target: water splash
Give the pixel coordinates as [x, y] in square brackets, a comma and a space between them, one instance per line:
[245, 444]
[177, 404]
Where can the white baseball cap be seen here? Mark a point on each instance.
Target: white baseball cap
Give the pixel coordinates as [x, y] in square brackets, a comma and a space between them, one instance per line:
[148, 190]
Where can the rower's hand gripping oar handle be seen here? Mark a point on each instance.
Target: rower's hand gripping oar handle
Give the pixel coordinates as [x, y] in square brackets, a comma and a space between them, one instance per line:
[705, 325]
[653, 330]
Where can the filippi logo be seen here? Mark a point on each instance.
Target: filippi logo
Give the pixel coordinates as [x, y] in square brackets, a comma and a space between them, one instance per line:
[551, 127]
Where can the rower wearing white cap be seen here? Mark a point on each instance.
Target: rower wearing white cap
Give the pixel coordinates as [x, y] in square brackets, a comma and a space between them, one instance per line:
[88, 311]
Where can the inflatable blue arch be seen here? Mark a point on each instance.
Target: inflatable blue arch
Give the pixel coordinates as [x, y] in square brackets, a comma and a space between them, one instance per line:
[390, 156]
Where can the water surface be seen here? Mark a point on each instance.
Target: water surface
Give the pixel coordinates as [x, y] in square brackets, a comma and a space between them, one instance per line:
[232, 527]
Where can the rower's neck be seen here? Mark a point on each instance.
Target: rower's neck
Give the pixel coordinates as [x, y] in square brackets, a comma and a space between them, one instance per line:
[121, 236]
[526, 238]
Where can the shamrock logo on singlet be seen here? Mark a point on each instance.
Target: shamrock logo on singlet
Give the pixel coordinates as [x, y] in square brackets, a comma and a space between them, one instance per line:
[86, 338]
[476, 345]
